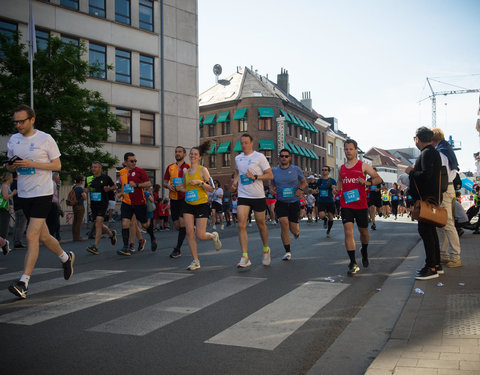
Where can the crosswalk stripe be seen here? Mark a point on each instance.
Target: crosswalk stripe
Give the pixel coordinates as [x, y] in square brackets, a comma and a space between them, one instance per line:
[269, 326]
[43, 286]
[151, 318]
[37, 271]
[82, 301]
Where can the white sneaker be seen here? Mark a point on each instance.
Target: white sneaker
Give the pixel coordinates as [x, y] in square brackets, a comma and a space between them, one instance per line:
[249, 225]
[222, 227]
[244, 263]
[214, 226]
[266, 258]
[287, 256]
[216, 241]
[195, 265]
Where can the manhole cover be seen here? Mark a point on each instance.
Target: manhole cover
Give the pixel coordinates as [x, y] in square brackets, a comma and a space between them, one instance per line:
[462, 317]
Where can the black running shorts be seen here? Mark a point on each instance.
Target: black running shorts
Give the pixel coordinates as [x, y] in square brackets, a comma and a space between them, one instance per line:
[350, 215]
[37, 207]
[256, 204]
[290, 210]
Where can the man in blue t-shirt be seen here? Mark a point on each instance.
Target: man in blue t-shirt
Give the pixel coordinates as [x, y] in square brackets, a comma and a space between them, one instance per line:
[289, 184]
[325, 198]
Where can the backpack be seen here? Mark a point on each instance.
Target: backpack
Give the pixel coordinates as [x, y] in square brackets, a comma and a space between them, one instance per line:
[72, 198]
[457, 182]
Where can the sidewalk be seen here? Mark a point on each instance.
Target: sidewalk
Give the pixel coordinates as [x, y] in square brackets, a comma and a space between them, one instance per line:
[438, 332]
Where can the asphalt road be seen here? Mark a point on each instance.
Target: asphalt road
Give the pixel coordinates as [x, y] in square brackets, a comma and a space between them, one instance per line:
[146, 314]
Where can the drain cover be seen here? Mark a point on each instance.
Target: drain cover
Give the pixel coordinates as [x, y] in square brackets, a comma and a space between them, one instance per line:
[462, 317]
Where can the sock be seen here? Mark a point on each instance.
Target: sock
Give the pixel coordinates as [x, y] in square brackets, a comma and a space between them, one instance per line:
[63, 257]
[150, 231]
[132, 244]
[266, 249]
[181, 236]
[364, 250]
[25, 279]
[245, 255]
[125, 236]
[351, 255]
[287, 248]
[330, 224]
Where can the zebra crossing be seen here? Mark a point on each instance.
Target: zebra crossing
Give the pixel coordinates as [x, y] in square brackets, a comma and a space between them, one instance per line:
[264, 329]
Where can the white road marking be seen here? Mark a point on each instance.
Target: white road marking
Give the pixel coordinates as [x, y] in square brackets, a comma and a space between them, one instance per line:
[37, 271]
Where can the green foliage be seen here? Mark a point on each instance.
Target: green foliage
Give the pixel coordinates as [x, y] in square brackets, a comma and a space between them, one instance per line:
[77, 118]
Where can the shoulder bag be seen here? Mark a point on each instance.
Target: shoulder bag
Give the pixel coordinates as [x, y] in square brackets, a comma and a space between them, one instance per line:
[428, 211]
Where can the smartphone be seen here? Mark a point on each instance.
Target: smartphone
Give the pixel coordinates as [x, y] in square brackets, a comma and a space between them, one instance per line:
[13, 159]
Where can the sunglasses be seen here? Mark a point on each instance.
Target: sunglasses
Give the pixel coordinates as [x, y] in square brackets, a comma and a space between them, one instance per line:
[324, 170]
[284, 156]
[132, 161]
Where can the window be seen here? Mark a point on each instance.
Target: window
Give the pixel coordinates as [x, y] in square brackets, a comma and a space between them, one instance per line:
[72, 4]
[69, 40]
[147, 128]
[98, 59]
[212, 130]
[330, 148]
[265, 123]
[146, 71]
[125, 117]
[122, 66]
[295, 132]
[213, 160]
[8, 29]
[226, 127]
[268, 155]
[243, 125]
[146, 14]
[226, 160]
[97, 8]
[300, 136]
[42, 39]
[122, 11]
[151, 175]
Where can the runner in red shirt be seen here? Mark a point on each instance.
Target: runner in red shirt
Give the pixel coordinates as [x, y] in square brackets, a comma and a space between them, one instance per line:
[353, 201]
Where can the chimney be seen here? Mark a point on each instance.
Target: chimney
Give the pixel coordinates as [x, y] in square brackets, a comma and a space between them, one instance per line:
[307, 100]
[282, 80]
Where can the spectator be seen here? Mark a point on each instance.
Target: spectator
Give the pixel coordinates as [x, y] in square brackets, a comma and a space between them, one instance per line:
[6, 196]
[20, 219]
[157, 200]
[79, 208]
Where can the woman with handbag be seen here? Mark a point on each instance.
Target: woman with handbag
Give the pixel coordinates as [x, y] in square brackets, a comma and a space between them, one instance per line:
[5, 197]
[425, 185]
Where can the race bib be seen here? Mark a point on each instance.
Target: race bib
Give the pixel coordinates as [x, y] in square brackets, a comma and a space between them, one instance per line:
[323, 193]
[287, 192]
[177, 181]
[95, 197]
[245, 180]
[394, 198]
[351, 196]
[226, 199]
[191, 195]
[26, 171]
[409, 197]
[127, 189]
[385, 198]
[372, 188]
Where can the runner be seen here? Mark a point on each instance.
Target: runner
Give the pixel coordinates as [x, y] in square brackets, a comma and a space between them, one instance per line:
[234, 208]
[395, 199]
[226, 204]
[353, 202]
[133, 183]
[173, 177]
[288, 183]
[252, 169]
[385, 201]
[34, 155]
[310, 205]
[325, 200]
[196, 209]
[217, 205]
[374, 201]
[312, 184]
[99, 186]
[271, 201]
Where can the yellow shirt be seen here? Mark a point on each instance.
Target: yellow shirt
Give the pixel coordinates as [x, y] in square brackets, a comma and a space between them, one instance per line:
[195, 194]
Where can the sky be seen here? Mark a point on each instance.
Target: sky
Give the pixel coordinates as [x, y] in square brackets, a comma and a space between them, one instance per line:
[364, 62]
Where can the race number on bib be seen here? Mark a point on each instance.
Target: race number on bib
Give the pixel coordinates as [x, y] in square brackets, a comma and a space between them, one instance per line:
[26, 171]
[177, 181]
[95, 197]
[245, 180]
[323, 193]
[287, 192]
[127, 189]
[351, 196]
[191, 196]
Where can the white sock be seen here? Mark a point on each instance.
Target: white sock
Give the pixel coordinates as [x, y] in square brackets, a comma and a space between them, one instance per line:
[64, 257]
[25, 279]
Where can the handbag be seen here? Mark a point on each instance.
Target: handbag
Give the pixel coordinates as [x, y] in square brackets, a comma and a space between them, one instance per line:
[4, 203]
[150, 206]
[428, 211]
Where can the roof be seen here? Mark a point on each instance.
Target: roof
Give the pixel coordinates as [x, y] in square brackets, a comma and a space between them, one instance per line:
[386, 158]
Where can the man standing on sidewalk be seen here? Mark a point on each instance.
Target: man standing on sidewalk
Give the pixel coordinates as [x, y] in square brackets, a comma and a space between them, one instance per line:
[289, 184]
[37, 156]
[353, 202]
[252, 168]
[448, 234]
[173, 177]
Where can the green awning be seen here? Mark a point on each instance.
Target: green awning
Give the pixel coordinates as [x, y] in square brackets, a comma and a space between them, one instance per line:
[314, 129]
[265, 112]
[238, 147]
[240, 114]
[200, 121]
[285, 114]
[289, 147]
[307, 125]
[314, 155]
[295, 149]
[212, 148]
[309, 153]
[223, 116]
[266, 144]
[302, 153]
[210, 119]
[223, 148]
[293, 120]
[303, 124]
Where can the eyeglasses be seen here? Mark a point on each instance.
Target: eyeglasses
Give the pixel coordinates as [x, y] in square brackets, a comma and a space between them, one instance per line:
[325, 170]
[132, 161]
[21, 122]
[284, 156]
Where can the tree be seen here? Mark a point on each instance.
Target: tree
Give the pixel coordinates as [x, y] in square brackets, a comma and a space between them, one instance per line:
[77, 118]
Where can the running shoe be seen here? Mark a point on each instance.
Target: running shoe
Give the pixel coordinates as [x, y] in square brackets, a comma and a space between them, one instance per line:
[287, 256]
[68, 266]
[426, 274]
[244, 263]
[92, 250]
[19, 245]
[374, 227]
[216, 241]
[296, 235]
[195, 265]
[439, 269]
[353, 268]
[222, 227]
[141, 245]
[19, 289]
[214, 226]
[175, 253]
[266, 258]
[113, 237]
[125, 251]
[325, 223]
[249, 225]
[6, 247]
[154, 245]
[328, 235]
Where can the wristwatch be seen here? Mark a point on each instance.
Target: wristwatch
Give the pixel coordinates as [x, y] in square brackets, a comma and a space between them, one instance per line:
[256, 176]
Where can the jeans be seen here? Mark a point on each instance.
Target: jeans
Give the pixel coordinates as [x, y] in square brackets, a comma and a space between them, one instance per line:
[78, 213]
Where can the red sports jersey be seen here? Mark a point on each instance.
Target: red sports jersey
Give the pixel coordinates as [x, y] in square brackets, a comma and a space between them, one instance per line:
[138, 175]
[175, 174]
[353, 194]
